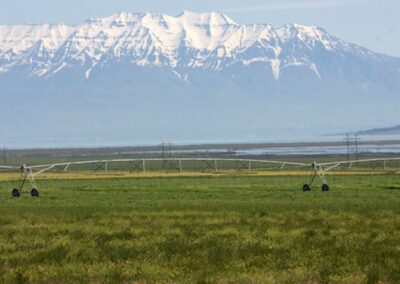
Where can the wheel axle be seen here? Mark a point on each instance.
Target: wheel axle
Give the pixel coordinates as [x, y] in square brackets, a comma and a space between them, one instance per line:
[15, 192]
[26, 176]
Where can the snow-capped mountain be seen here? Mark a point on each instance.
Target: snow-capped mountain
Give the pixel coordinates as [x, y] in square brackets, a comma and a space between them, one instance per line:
[210, 41]
[205, 62]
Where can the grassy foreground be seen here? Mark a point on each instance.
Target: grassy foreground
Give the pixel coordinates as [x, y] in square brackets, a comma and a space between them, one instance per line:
[202, 229]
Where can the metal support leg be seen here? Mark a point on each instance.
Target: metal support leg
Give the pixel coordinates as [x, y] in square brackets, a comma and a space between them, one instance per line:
[312, 178]
[317, 170]
[321, 174]
[22, 180]
[31, 179]
[26, 175]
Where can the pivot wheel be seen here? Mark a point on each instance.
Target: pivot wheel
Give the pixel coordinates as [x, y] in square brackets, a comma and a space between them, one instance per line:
[325, 187]
[306, 188]
[16, 193]
[34, 192]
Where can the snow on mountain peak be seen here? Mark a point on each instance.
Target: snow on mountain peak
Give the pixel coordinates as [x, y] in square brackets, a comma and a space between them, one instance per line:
[189, 40]
[212, 19]
[122, 18]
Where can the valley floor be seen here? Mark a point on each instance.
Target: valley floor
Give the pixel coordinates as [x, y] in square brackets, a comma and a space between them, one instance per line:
[202, 229]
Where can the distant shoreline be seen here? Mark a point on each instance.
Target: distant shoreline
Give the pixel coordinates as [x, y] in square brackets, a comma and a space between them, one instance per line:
[216, 148]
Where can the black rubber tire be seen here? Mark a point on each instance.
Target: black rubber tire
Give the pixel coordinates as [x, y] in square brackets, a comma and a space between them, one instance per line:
[325, 188]
[16, 193]
[306, 188]
[34, 192]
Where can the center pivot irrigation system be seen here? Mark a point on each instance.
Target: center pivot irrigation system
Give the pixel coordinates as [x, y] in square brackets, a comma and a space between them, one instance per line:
[318, 170]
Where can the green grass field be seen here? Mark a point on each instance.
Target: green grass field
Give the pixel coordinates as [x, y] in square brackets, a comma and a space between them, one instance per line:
[204, 229]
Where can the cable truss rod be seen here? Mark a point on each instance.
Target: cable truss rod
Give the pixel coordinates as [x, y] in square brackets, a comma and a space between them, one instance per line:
[42, 171]
[168, 159]
[360, 161]
[331, 168]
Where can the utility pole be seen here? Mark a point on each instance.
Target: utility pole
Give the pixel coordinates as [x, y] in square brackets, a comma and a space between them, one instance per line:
[356, 140]
[5, 155]
[348, 146]
[163, 155]
[170, 149]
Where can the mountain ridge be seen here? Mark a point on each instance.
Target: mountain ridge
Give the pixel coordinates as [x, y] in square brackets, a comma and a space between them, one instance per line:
[394, 130]
[191, 76]
[189, 40]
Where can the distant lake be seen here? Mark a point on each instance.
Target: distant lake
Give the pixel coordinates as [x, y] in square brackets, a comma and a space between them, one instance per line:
[321, 150]
[295, 137]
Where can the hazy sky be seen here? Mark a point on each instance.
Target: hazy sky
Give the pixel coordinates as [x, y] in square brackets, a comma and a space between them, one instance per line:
[372, 23]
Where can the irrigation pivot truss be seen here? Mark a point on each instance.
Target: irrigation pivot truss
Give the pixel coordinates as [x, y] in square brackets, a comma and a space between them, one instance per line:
[317, 170]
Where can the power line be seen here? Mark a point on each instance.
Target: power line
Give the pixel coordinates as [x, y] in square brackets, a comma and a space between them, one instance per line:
[352, 146]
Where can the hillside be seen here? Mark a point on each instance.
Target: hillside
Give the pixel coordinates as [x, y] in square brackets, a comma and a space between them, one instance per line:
[395, 130]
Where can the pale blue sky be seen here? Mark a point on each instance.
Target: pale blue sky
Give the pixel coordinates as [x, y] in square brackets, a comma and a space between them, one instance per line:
[372, 23]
